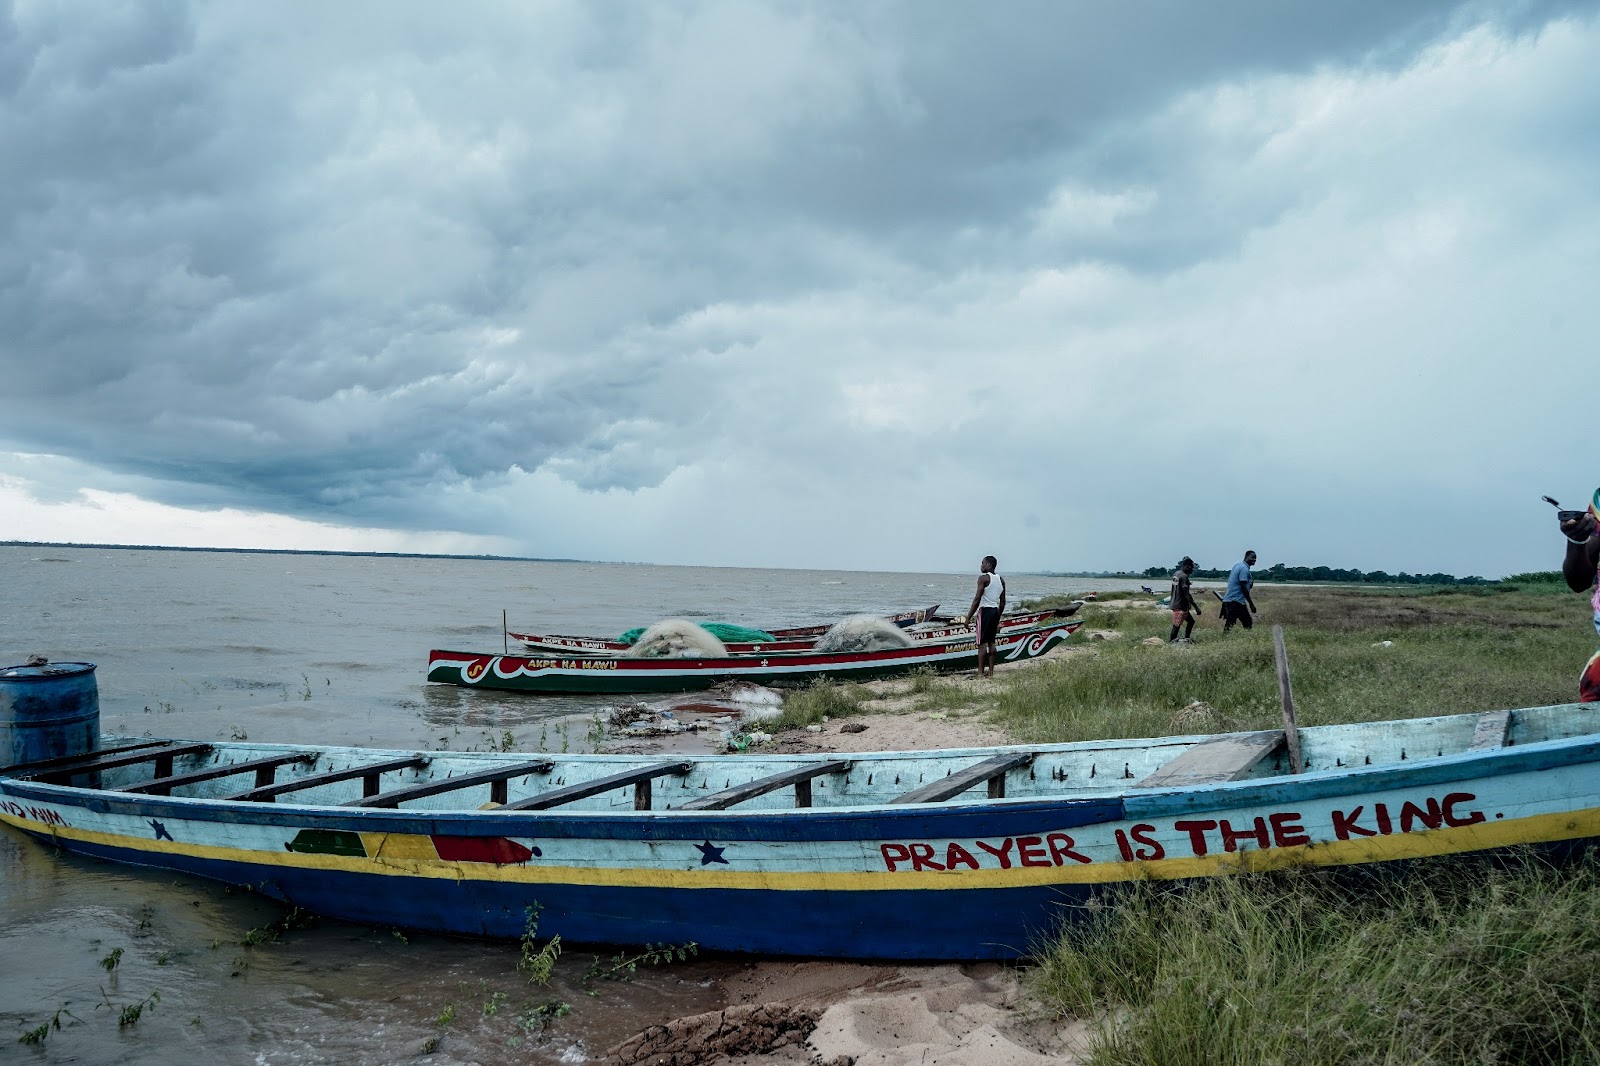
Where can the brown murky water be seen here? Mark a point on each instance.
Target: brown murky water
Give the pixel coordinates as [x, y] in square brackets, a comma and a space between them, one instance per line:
[332, 650]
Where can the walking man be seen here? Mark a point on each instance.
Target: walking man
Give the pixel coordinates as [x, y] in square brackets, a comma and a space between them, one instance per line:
[1240, 581]
[987, 603]
[1184, 609]
[1581, 568]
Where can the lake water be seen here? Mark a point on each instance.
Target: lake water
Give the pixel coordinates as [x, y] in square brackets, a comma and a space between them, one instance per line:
[327, 649]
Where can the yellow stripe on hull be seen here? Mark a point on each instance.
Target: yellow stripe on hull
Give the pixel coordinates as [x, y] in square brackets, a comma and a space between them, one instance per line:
[408, 855]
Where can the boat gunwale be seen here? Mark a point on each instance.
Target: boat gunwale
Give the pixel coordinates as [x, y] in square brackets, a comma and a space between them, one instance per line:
[833, 822]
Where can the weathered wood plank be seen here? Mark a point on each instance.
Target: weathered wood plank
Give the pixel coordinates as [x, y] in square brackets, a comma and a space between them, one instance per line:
[1291, 727]
[1491, 732]
[162, 757]
[1226, 758]
[495, 777]
[368, 772]
[63, 761]
[264, 768]
[800, 775]
[639, 778]
[991, 770]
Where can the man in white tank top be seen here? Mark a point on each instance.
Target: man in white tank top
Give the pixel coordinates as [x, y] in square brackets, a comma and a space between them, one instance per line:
[987, 603]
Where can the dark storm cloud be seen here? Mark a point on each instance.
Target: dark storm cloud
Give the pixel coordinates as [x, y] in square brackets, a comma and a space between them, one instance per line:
[333, 260]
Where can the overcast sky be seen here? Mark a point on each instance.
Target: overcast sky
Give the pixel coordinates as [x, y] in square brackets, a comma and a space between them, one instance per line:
[858, 285]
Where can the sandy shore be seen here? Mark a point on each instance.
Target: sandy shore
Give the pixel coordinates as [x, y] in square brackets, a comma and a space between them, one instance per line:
[856, 1014]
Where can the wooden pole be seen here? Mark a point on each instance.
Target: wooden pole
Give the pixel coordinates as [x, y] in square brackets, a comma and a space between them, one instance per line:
[1291, 731]
[505, 633]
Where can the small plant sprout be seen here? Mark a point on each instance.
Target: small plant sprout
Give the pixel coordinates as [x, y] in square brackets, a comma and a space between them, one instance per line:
[623, 967]
[111, 961]
[447, 1017]
[129, 1014]
[537, 962]
[39, 1033]
[538, 1019]
[305, 692]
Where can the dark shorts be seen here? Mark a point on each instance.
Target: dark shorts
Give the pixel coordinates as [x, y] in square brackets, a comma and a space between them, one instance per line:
[1237, 612]
[988, 624]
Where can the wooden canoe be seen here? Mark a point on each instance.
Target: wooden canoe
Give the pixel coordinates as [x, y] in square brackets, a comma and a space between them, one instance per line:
[921, 631]
[616, 675]
[977, 853]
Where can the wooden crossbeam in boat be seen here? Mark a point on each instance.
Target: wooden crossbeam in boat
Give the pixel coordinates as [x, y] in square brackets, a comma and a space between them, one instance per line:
[991, 770]
[1224, 758]
[162, 757]
[640, 780]
[265, 769]
[800, 777]
[62, 761]
[495, 777]
[1491, 732]
[370, 773]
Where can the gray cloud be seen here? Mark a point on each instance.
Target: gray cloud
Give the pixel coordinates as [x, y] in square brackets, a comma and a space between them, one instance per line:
[404, 267]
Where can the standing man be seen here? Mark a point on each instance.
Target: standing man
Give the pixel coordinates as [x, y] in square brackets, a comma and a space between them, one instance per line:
[1184, 609]
[1240, 582]
[1581, 568]
[987, 603]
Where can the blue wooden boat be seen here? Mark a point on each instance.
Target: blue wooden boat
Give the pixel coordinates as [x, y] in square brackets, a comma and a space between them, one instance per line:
[977, 853]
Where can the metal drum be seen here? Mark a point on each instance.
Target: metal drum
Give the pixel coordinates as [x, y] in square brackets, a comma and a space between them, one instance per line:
[47, 711]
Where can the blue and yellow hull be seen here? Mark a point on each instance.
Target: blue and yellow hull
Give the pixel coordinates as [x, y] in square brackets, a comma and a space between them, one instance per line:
[957, 880]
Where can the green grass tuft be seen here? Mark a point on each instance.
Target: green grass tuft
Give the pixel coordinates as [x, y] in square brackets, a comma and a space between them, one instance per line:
[818, 700]
[1452, 963]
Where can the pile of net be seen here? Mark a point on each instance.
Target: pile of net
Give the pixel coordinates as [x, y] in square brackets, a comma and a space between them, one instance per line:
[677, 638]
[721, 630]
[862, 632]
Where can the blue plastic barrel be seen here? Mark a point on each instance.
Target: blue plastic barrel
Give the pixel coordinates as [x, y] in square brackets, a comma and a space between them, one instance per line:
[48, 711]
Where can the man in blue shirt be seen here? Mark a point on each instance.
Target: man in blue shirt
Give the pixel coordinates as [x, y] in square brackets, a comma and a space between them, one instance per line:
[1238, 597]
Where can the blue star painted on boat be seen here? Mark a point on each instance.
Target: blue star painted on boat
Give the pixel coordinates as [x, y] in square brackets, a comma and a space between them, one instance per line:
[710, 853]
[161, 831]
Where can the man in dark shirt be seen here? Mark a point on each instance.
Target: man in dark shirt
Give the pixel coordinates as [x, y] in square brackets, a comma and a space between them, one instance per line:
[1184, 609]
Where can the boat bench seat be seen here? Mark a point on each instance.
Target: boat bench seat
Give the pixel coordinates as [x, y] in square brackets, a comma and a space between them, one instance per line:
[800, 777]
[369, 774]
[1224, 758]
[265, 770]
[495, 777]
[61, 762]
[162, 757]
[640, 780]
[1492, 730]
[991, 770]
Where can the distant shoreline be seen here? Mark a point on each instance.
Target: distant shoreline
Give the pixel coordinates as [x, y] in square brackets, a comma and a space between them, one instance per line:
[1261, 576]
[291, 551]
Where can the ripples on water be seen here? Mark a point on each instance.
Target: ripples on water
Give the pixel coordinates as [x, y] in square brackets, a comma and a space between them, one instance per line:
[332, 650]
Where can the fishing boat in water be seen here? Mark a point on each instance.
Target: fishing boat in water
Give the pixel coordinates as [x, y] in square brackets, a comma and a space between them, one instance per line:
[614, 675]
[968, 854]
[788, 640]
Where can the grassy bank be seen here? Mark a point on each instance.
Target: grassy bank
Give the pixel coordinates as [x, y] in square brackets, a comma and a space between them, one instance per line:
[1449, 651]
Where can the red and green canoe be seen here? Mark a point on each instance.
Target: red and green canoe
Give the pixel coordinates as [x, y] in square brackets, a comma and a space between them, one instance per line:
[795, 639]
[606, 675]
